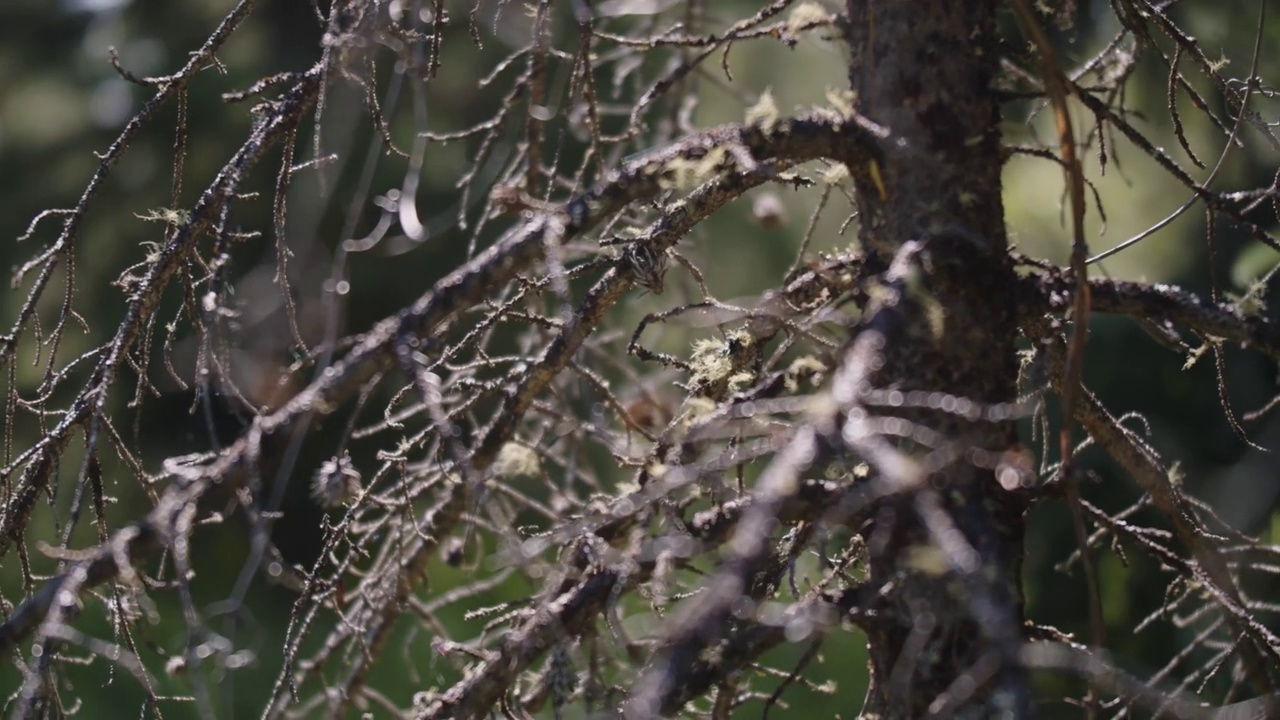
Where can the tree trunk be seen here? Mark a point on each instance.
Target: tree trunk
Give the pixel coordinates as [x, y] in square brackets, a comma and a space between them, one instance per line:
[923, 72]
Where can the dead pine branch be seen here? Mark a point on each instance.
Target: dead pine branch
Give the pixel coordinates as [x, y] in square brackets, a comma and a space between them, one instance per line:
[488, 373]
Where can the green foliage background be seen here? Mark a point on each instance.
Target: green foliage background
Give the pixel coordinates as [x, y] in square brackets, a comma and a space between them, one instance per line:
[60, 102]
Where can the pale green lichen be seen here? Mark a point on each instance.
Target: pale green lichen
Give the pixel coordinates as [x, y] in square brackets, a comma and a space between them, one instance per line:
[808, 14]
[710, 361]
[764, 113]
[684, 174]
[516, 460]
[807, 367]
[167, 216]
[843, 101]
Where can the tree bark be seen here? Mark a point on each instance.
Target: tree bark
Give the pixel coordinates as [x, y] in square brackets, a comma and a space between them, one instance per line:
[942, 640]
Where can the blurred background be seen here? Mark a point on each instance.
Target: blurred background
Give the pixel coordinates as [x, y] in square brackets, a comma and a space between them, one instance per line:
[61, 102]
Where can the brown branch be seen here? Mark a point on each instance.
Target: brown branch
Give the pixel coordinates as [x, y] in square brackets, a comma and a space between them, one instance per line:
[1044, 293]
[1258, 645]
[820, 134]
[88, 406]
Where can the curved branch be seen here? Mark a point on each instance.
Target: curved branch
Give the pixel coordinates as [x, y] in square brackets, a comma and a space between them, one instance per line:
[820, 134]
[1258, 645]
[1050, 292]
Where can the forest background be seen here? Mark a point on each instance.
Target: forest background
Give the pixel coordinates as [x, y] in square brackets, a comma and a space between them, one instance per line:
[61, 102]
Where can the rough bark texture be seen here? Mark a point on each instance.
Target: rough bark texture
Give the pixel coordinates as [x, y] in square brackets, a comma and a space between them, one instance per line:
[922, 71]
